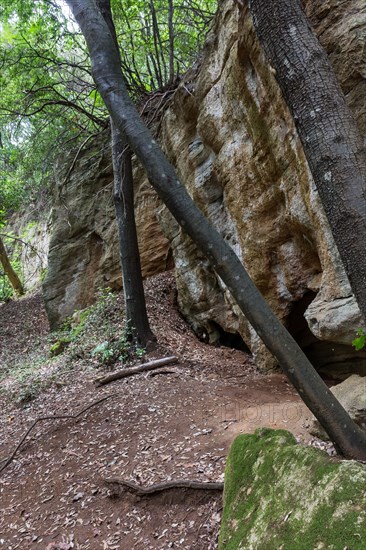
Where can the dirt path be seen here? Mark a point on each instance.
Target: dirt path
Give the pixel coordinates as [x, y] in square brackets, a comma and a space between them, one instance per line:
[160, 426]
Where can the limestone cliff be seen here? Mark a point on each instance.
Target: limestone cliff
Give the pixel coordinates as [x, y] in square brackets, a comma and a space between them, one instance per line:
[83, 253]
[234, 144]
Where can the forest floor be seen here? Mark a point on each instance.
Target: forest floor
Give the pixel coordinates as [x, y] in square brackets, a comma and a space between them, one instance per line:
[176, 422]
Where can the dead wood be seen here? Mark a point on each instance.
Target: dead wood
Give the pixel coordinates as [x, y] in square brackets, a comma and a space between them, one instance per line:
[119, 486]
[156, 363]
[53, 417]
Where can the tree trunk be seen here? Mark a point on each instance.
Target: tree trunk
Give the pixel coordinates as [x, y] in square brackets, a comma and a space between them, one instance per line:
[171, 40]
[137, 322]
[346, 435]
[9, 271]
[332, 144]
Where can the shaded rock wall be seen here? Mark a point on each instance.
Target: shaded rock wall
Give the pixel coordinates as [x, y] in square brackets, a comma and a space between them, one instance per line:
[233, 141]
[83, 253]
[32, 228]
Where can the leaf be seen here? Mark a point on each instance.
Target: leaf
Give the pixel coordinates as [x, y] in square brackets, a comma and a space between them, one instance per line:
[359, 342]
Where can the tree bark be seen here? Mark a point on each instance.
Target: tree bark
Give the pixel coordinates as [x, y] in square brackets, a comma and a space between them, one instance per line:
[333, 146]
[137, 323]
[346, 435]
[9, 271]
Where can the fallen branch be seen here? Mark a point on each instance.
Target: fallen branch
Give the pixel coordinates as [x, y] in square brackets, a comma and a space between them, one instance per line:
[156, 363]
[54, 417]
[118, 486]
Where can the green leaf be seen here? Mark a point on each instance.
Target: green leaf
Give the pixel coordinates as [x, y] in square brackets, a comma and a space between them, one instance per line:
[359, 342]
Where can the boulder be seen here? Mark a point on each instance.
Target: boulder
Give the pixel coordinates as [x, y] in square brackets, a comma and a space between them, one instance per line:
[279, 494]
[352, 395]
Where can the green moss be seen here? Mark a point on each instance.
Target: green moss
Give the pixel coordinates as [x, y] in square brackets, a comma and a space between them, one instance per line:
[282, 495]
[59, 347]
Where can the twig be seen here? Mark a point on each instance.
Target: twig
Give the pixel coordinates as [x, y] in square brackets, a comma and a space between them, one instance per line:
[118, 486]
[72, 166]
[101, 381]
[55, 417]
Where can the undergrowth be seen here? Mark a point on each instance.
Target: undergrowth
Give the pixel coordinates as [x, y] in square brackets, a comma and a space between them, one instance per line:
[90, 339]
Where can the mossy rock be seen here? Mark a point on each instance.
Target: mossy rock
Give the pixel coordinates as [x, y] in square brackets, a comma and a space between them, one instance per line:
[59, 347]
[282, 495]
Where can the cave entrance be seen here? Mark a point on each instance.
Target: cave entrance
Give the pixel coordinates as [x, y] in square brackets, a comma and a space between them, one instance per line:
[333, 361]
[229, 339]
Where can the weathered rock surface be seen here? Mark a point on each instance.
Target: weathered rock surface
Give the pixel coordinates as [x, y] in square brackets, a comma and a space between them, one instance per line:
[279, 494]
[352, 395]
[233, 141]
[83, 253]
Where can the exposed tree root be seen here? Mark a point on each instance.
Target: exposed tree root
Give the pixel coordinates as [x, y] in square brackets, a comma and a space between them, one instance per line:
[119, 486]
[101, 381]
[10, 458]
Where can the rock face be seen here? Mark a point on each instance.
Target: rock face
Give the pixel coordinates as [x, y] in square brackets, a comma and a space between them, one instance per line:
[279, 494]
[83, 253]
[233, 141]
[352, 395]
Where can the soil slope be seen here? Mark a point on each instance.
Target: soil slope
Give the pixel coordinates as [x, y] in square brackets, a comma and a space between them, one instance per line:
[174, 423]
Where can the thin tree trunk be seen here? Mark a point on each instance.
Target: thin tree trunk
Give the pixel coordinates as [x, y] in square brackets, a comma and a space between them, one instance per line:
[331, 141]
[171, 40]
[158, 45]
[137, 322]
[9, 271]
[346, 435]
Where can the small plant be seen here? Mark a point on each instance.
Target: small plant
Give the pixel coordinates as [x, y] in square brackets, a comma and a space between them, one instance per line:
[359, 342]
[110, 351]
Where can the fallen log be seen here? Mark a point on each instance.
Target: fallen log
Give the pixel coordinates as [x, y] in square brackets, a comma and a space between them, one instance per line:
[119, 486]
[156, 363]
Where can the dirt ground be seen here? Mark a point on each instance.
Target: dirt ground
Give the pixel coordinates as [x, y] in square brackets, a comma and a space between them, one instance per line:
[173, 423]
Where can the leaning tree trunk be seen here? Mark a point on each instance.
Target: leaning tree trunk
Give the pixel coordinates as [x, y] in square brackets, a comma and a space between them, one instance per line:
[137, 322]
[334, 148]
[346, 435]
[9, 271]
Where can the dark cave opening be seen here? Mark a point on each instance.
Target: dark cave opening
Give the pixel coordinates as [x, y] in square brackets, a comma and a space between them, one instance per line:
[229, 339]
[333, 361]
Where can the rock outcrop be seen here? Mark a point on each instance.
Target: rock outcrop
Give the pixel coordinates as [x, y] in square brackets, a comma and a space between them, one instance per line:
[235, 146]
[83, 253]
[279, 494]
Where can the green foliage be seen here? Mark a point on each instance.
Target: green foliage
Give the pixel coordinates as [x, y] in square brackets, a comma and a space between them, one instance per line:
[359, 342]
[48, 98]
[154, 52]
[110, 351]
[45, 101]
[96, 333]
[14, 253]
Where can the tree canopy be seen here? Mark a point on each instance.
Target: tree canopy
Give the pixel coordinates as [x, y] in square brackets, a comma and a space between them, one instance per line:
[49, 100]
